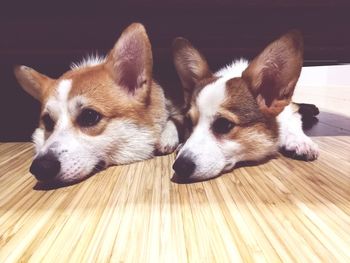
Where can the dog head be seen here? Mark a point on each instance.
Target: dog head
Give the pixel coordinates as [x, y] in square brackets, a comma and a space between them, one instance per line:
[96, 114]
[232, 114]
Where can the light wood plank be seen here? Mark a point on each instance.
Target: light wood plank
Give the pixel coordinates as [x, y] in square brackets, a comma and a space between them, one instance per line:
[283, 210]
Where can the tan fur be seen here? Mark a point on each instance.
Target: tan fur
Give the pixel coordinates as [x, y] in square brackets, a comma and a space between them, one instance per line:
[254, 131]
[193, 114]
[137, 77]
[191, 66]
[33, 82]
[258, 141]
[273, 74]
[112, 101]
[102, 86]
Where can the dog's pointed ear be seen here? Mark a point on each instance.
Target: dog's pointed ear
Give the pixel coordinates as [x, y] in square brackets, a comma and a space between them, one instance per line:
[273, 74]
[130, 61]
[33, 82]
[190, 64]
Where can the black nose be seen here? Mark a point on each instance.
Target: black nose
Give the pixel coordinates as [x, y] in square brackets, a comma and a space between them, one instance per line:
[45, 167]
[184, 166]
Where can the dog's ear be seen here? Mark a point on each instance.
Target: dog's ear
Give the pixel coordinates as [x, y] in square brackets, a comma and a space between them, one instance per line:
[130, 61]
[273, 74]
[190, 65]
[33, 82]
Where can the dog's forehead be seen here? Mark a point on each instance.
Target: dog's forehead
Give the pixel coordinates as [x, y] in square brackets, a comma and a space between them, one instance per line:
[90, 85]
[211, 97]
[73, 83]
[63, 89]
[58, 96]
[90, 81]
[227, 96]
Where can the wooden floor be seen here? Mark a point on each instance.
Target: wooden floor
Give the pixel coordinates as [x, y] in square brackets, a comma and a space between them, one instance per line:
[281, 211]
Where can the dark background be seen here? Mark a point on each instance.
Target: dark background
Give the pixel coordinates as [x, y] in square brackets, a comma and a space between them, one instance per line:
[49, 35]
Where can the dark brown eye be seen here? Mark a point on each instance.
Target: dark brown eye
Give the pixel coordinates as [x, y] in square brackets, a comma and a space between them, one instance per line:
[88, 118]
[222, 125]
[49, 124]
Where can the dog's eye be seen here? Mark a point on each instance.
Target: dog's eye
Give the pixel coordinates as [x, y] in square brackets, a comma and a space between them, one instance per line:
[88, 118]
[48, 122]
[222, 125]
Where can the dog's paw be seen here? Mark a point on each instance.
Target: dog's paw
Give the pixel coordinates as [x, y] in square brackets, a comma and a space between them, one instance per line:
[300, 148]
[308, 110]
[169, 139]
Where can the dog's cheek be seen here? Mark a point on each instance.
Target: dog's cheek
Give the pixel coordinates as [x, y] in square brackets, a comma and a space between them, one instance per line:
[256, 142]
[126, 141]
[233, 152]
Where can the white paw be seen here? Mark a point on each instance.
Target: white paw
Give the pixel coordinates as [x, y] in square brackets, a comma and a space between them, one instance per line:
[169, 139]
[300, 147]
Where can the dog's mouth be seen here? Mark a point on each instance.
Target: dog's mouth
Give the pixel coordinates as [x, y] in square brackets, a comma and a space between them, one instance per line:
[101, 165]
[56, 183]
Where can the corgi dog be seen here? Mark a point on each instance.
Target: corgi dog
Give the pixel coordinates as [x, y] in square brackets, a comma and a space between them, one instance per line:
[243, 112]
[104, 111]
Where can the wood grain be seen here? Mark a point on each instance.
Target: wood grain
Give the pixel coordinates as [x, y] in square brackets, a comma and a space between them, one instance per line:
[281, 211]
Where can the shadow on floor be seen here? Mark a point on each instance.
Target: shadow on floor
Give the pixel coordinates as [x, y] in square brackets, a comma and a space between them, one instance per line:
[330, 124]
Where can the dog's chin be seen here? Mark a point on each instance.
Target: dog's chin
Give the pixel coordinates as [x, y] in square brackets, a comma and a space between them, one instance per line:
[194, 178]
[59, 182]
[53, 184]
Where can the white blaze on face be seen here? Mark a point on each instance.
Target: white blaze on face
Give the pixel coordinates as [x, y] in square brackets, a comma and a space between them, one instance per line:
[203, 147]
[70, 146]
[57, 107]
